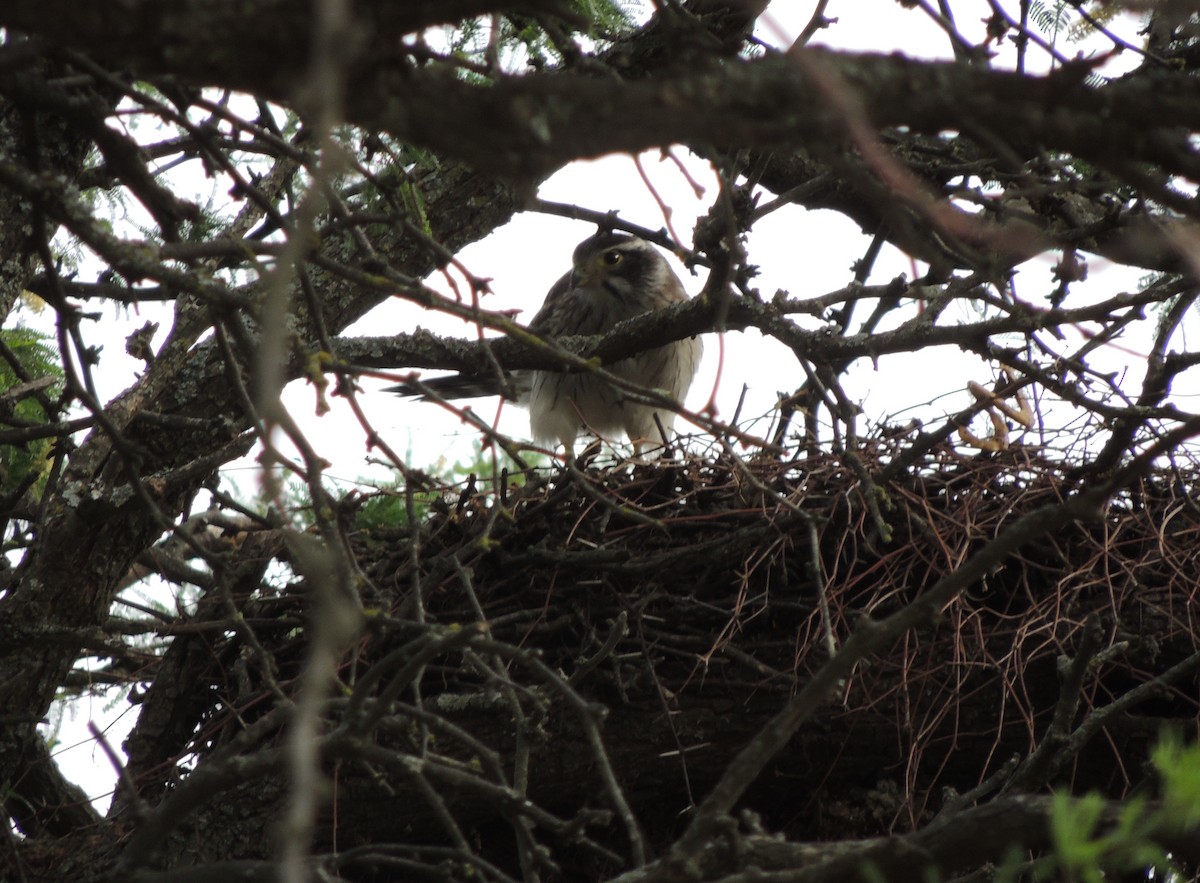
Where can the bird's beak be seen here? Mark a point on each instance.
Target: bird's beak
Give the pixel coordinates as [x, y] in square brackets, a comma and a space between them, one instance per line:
[589, 272]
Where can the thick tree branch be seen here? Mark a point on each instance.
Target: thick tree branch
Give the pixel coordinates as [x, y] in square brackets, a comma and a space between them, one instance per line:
[261, 43]
[527, 126]
[423, 349]
[970, 839]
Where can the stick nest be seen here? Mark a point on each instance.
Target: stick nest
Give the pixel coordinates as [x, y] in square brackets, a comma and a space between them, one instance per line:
[706, 590]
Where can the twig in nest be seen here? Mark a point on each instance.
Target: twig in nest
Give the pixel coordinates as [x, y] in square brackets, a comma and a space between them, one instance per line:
[997, 409]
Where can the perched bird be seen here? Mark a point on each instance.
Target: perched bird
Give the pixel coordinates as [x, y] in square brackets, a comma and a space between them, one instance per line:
[614, 277]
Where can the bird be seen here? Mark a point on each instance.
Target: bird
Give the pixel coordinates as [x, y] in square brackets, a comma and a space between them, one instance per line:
[614, 276]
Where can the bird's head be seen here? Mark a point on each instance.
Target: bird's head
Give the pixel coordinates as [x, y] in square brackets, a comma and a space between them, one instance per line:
[618, 263]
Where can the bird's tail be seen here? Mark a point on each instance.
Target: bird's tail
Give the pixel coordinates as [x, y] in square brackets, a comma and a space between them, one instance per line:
[459, 386]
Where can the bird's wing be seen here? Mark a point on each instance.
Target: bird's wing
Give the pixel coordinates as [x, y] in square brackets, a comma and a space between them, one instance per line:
[548, 320]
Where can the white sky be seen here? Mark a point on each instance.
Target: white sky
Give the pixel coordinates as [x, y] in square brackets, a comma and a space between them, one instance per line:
[803, 253]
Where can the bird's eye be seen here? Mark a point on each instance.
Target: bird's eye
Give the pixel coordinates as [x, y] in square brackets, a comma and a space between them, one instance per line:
[612, 257]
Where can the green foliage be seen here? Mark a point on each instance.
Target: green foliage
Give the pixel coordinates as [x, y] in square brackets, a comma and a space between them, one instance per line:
[200, 228]
[1089, 844]
[607, 15]
[1100, 13]
[1050, 18]
[389, 506]
[1085, 854]
[1178, 767]
[522, 39]
[1063, 18]
[23, 465]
